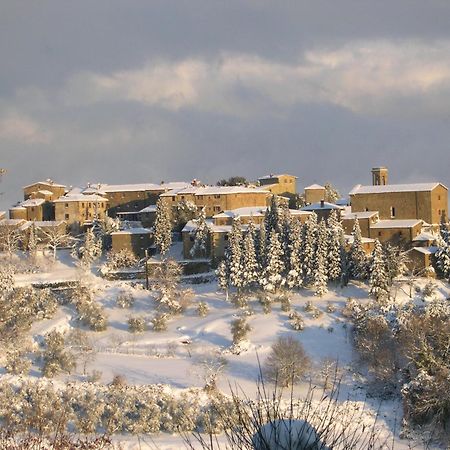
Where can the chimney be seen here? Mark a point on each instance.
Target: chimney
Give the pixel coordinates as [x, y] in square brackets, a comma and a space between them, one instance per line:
[322, 203]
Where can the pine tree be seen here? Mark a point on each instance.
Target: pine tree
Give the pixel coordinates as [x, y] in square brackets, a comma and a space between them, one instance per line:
[163, 227]
[261, 246]
[91, 249]
[272, 216]
[442, 256]
[273, 277]
[378, 281]
[235, 254]
[331, 193]
[358, 258]
[250, 265]
[308, 249]
[223, 274]
[320, 278]
[201, 236]
[294, 277]
[335, 242]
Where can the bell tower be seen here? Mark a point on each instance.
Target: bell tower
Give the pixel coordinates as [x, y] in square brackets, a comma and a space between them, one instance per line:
[379, 176]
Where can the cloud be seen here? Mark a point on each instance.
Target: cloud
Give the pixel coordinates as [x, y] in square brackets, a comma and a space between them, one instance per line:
[371, 77]
[21, 129]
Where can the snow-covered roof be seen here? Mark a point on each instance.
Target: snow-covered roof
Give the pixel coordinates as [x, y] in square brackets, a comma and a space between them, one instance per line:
[192, 225]
[406, 223]
[46, 183]
[215, 190]
[424, 237]
[426, 250]
[2, 214]
[45, 192]
[148, 209]
[12, 222]
[314, 186]
[349, 239]
[277, 175]
[358, 214]
[254, 211]
[388, 188]
[80, 198]
[138, 230]
[321, 205]
[17, 207]
[32, 202]
[135, 187]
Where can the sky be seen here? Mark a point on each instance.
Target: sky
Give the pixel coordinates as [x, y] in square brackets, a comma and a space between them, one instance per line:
[144, 91]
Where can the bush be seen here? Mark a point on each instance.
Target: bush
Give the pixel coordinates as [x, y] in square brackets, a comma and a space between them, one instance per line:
[297, 322]
[202, 309]
[56, 357]
[287, 362]
[429, 289]
[125, 300]
[120, 259]
[331, 308]
[240, 329]
[239, 300]
[136, 324]
[159, 322]
[265, 301]
[17, 363]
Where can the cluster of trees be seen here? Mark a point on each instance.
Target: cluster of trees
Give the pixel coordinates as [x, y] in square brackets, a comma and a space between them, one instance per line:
[407, 351]
[283, 253]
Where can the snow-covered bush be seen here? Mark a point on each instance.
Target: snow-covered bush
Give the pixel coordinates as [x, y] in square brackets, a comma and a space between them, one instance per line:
[265, 301]
[17, 363]
[296, 321]
[239, 330]
[240, 300]
[91, 314]
[285, 302]
[331, 308]
[429, 289]
[159, 322]
[287, 362]
[125, 299]
[120, 259]
[56, 357]
[202, 309]
[137, 324]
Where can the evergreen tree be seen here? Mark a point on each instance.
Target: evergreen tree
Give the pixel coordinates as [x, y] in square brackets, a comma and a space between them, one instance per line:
[358, 258]
[163, 227]
[308, 249]
[335, 251]
[235, 254]
[320, 276]
[442, 256]
[273, 277]
[261, 247]
[331, 193]
[250, 267]
[378, 281]
[320, 257]
[90, 250]
[294, 277]
[395, 261]
[223, 274]
[201, 236]
[272, 218]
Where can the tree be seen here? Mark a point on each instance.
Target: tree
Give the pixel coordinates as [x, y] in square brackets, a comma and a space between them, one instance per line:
[378, 281]
[9, 239]
[55, 238]
[163, 227]
[273, 277]
[335, 240]
[294, 276]
[358, 258]
[442, 256]
[201, 236]
[90, 250]
[239, 330]
[235, 254]
[287, 362]
[81, 346]
[184, 211]
[250, 265]
[233, 181]
[56, 357]
[32, 242]
[223, 274]
[395, 261]
[331, 193]
[308, 248]
[320, 277]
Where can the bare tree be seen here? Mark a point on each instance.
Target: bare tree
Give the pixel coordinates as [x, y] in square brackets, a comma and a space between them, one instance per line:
[56, 238]
[9, 239]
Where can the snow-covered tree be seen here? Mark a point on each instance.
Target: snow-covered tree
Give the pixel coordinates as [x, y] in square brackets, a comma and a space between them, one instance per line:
[235, 246]
[56, 238]
[331, 193]
[32, 241]
[294, 276]
[6, 279]
[320, 277]
[57, 358]
[163, 227]
[273, 277]
[223, 274]
[335, 247]
[378, 281]
[250, 266]
[442, 256]
[9, 240]
[308, 249]
[272, 219]
[358, 258]
[201, 236]
[395, 261]
[89, 250]
[261, 246]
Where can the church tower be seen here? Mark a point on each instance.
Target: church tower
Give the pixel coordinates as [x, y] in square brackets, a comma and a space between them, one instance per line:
[379, 176]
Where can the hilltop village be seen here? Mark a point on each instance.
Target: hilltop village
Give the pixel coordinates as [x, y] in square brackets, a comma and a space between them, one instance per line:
[408, 215]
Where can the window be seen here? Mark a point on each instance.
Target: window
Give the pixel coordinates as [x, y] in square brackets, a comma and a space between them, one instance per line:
[66, 216]
[66, 205]
[216, 208]
[225, 238]
[439, 197]
[82, 205]
[392, 212]
[217, 196]
[379, 233]
[32, 209]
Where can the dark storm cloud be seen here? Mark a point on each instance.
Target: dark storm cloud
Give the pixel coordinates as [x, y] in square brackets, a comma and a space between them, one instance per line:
[143, 91]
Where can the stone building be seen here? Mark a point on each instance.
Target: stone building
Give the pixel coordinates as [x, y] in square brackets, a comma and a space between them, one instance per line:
[281, 184]
[79, 209]
[136, 240]
[49, 190]
[314, 193]
[324, 209]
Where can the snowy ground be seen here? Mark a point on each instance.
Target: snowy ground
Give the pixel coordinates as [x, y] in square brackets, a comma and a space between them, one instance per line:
[172, 357]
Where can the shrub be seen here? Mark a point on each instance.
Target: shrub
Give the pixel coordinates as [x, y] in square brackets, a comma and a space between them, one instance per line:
[120, 259]
[136, 324]
[265, 301]
[297, 322]
[17, 363]
[331, 308]
[239, 300]
[202, 309]
[287, 362]
[240, 329]
[125, 300]
[56, 357]
[159, 322]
